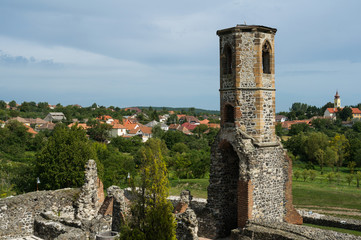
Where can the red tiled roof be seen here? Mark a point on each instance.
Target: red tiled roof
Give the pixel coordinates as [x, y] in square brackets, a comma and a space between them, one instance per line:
[104, 117]
[205, 121]
[118, 126]
[134, 131]
[189, 126]
[335, 110]
[131, 126]
[214, 125]
[356, 111]
[288, 124]
[31, 130]
[80, 125]
[146, 130]
[179, 116]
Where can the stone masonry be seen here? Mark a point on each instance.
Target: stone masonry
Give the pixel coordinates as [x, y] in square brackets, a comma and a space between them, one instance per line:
[17, 213]
[90, 199]
[250, 176]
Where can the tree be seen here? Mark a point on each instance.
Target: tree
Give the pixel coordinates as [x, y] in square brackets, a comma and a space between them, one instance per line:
[357, 126]
[157, 131]
[327, 105]
[117, 165]
[340, 145]
[297, 128]
[296, 145]
[126, 145]
[12, 104]
[2, 104]
[314, 142]
[61, 162]
[346, 114]
[99, 131]
[320, 157]
[14, 139]
[358, 178]
[331, 157]
[279, 129]
[152, 212]
[349, 178]
[200, 129]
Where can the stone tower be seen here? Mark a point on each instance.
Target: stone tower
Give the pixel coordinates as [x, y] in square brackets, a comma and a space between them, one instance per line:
[337, 101]
[250, 176]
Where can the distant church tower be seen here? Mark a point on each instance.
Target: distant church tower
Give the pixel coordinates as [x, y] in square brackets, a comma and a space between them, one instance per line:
[250, 175]
[337, 101]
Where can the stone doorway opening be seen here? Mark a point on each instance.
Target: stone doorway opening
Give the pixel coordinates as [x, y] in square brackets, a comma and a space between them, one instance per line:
[230, 160]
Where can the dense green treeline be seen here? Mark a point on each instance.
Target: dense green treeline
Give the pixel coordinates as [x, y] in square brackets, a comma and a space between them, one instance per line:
[58, 157]
[324, 143]
[41, 109]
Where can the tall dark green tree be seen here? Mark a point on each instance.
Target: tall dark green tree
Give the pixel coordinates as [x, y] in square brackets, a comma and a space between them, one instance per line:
[99, 131]
[346, 114]
[152, 212]
[61, 162]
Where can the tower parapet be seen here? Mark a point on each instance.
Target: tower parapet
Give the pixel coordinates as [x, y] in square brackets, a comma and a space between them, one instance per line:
[247, 85]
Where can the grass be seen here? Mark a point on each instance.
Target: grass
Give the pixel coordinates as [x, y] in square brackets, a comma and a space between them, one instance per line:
[326, 195]
[357, 233]
[198, 187]
[318, 193]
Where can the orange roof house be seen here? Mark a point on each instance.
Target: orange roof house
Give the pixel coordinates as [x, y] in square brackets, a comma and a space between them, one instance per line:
[205, 121]
[117, 130]
[288, 124]
[80, 125]
[189, 126]
[214, 125]
[31, 130]
[331, 112]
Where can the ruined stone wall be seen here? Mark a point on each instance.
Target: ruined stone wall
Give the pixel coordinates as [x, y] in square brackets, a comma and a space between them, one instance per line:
[17, 213]
[258, 188]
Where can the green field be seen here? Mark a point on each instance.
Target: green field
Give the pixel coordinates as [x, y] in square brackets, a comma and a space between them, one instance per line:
[315, 194]
[319, 195]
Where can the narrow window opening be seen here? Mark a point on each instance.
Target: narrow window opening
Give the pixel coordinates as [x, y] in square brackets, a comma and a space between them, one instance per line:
[229, 114]
[227, 67]
[266, 58]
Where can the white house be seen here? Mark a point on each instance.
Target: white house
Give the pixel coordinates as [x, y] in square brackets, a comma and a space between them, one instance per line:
[117, 130]
[55, 116]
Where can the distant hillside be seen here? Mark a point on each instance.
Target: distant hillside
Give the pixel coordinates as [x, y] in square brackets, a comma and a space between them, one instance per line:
[186, 109]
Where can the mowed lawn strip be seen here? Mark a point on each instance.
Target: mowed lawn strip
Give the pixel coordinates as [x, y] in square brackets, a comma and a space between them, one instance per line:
[326, 195]
[307, 193]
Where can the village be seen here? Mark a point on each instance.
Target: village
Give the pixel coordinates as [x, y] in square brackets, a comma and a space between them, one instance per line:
[127, 127]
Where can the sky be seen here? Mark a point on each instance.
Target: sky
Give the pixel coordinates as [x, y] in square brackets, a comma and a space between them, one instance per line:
[165, 53]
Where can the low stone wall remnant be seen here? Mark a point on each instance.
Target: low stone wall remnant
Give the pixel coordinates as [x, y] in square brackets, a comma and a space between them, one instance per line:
[285, 231]
[330, 221]
[17, 213]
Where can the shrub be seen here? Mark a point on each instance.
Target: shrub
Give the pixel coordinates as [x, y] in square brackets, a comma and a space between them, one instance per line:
[330, 177]
[349, 178]
[312, 174]
[297, 174]
[305, 174]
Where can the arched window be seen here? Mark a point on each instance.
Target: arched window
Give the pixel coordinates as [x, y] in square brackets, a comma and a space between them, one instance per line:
[228, 114]
[227, 64]
[266, 58]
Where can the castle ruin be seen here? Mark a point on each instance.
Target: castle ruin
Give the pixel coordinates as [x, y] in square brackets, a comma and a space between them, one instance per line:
[250, 176]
